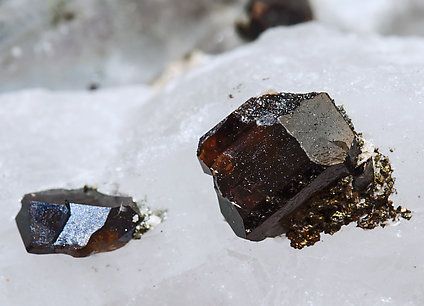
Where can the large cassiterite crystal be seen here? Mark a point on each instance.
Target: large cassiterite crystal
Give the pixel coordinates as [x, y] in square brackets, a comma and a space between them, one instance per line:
[272, 154]
[279, 153]
[76, 222]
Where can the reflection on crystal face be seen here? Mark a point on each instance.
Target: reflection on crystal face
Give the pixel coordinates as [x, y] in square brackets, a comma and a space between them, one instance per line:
[83, 222]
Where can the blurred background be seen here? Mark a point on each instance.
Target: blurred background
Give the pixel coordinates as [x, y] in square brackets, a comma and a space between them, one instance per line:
[92, 44]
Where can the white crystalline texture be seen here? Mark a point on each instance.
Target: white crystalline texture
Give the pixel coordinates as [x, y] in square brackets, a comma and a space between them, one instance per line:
[367, 152]
[130, 141]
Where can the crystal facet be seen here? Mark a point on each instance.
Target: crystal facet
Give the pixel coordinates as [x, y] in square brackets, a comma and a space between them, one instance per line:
[76, 222]
[280, 152]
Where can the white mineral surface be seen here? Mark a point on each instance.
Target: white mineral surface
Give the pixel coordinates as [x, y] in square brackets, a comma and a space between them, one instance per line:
[69, 44]
[143, 144]
[372, 16]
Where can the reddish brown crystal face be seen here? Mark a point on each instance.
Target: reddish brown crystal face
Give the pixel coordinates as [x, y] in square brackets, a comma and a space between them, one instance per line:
[76, 222]
[271, 155]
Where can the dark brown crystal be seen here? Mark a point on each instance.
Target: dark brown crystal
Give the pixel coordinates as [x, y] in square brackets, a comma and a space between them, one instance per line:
[264, 14]
[76, 222]
[293, 164]
[272, 154]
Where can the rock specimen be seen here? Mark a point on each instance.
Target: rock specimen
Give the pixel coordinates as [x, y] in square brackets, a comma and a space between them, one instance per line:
[264, 14]
[279, 154]
[77, 222]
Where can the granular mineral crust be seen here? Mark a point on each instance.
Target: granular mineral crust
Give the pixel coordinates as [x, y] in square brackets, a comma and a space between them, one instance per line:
[367, 204]
[76, 222]
[280, 162]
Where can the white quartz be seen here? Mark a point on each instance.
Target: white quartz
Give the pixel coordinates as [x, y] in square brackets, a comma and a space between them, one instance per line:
[106, 42]
[134, 142]
[114, 43]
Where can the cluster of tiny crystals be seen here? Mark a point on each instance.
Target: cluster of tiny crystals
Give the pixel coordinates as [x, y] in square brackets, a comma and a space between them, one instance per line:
[340, 205]
[148, 219]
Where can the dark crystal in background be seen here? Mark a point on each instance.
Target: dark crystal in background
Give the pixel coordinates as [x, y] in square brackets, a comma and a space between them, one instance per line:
[265, 14]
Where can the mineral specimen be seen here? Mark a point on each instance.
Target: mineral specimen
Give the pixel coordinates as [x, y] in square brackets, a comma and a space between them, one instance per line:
[264, 14]
[292, 163]
[77, 222]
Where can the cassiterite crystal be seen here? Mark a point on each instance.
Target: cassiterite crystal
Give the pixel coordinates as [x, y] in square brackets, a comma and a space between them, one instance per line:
[276, 156]
[265, 14]
[76, 222]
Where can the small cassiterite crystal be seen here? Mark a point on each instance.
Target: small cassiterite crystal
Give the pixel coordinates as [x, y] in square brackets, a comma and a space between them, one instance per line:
[265, 14]
[278, 154]
[76, 222]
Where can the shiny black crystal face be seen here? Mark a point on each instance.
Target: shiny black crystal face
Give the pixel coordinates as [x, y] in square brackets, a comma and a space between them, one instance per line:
[76, 222]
